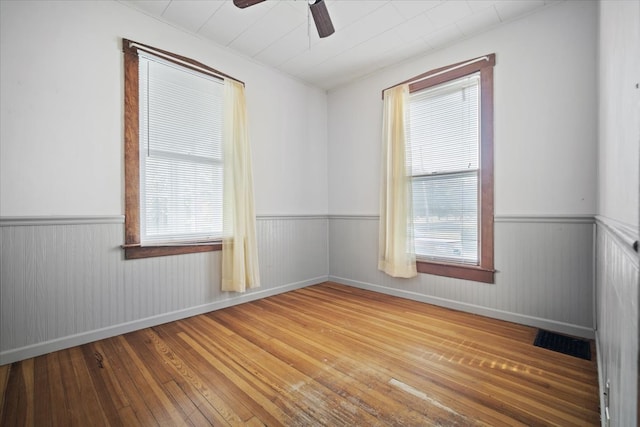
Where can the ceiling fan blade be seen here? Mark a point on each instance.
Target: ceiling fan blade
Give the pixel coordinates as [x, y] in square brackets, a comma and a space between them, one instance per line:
[321, 18]
[246, 3]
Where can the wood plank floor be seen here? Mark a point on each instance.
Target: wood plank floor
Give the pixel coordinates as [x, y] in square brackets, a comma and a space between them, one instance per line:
[323, 355]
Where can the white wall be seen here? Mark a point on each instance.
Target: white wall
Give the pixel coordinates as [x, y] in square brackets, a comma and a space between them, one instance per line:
[617, 264]
[545, 104]
[545, 122]
[619, 148]
[61, 143]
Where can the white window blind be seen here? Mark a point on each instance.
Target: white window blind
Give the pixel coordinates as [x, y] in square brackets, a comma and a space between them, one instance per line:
[181, 165]
[444, 163]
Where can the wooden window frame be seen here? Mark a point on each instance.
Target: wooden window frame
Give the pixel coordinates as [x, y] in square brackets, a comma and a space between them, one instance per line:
[132, 246]
[484, 271]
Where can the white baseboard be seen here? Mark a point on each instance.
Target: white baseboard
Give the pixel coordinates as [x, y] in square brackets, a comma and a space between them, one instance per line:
[551, 325]
[39, 349]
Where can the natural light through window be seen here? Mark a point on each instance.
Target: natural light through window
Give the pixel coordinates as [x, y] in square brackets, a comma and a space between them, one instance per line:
[181, 165]
[444, 136]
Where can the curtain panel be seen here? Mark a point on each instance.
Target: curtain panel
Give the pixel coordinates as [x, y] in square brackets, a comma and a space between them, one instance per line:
[396, 252]
[239, 247]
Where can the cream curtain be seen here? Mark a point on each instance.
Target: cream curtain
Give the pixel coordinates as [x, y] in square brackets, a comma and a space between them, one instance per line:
[239, 249]
[396, 252]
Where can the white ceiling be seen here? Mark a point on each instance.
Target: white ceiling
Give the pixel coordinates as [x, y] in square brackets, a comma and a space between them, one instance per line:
[370, 34]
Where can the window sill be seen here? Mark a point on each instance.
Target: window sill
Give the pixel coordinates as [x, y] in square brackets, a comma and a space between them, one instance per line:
[136, 251]
[457, 271]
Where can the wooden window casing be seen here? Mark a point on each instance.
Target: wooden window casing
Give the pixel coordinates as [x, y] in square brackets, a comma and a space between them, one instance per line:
[484, 271]
[132, 247]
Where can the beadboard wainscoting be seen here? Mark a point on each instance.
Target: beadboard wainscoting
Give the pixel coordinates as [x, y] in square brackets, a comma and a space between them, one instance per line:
[544, 271]
[617, 317]
[64, 281]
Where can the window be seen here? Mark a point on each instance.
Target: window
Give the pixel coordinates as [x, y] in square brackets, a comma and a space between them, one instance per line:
[173, 154]
[450, 158]
[181, 166]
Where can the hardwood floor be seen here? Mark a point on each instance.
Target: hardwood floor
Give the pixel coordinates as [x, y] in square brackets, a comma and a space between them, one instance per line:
[323, 355]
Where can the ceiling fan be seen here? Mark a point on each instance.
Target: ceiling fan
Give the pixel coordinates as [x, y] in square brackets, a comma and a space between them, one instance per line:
[318, 10]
